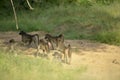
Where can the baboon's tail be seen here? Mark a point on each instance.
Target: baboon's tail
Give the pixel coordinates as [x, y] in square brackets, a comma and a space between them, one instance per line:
[69, 53]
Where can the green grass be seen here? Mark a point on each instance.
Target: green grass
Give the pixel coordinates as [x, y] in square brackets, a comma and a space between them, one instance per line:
[22, 67]
[96, 22]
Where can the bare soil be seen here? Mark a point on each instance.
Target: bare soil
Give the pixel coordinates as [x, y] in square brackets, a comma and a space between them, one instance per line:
[102, 60]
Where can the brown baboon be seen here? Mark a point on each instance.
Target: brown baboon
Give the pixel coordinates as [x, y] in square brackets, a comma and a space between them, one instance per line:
[66, 50]
[54, 40]
[57, 56]
[68, 54]
[12, 43]
[28, 38]
[43, 45]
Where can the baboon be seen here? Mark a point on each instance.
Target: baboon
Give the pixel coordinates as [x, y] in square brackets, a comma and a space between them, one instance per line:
[57, 56]
[28, 38]
[12, 43]
[54, 40]
[43, 45]
[66, 50]
[67, 54]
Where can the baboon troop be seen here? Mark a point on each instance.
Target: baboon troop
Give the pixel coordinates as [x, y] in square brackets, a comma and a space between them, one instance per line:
[46, 45]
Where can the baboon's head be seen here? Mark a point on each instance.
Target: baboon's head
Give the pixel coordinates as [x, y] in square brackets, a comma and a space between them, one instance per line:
[69, 46]
[11, 41]
[61, 35]
[41, 41]
[60, 38]
[22, 33]
[47, 36]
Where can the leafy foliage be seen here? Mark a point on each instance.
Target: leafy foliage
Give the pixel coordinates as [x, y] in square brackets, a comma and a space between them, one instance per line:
[76, 19]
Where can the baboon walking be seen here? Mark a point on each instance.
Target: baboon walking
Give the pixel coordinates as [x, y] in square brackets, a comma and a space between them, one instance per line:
[67, 52]
[57, 56]
[54, 40]
[12, 44]
[28, 38]
[43, 45]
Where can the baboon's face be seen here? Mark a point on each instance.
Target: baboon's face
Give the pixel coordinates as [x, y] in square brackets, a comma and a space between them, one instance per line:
[60, 39]
[41, 41]
[11, 41]
[22, 33]
[47, 37]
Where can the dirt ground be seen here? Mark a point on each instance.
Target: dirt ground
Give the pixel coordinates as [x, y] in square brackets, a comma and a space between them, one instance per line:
[102, 60]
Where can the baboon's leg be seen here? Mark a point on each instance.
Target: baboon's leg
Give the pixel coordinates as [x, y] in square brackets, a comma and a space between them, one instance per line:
[65, 57]
[47, 48]
[69, 53]
[52, 45]
[69, 59]
[38, 51]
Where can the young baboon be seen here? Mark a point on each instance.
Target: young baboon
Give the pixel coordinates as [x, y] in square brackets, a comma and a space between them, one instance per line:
[57, 56]
[68, 54]
[66, 50]
[12, 43]
[28, 38]
[54, 40]
[43, 45]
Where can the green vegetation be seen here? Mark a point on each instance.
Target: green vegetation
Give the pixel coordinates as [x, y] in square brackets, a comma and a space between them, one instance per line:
[79, 19]
[22, 67]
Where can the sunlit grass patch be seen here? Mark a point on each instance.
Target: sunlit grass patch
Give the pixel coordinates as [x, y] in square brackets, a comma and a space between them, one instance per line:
[22, 67]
